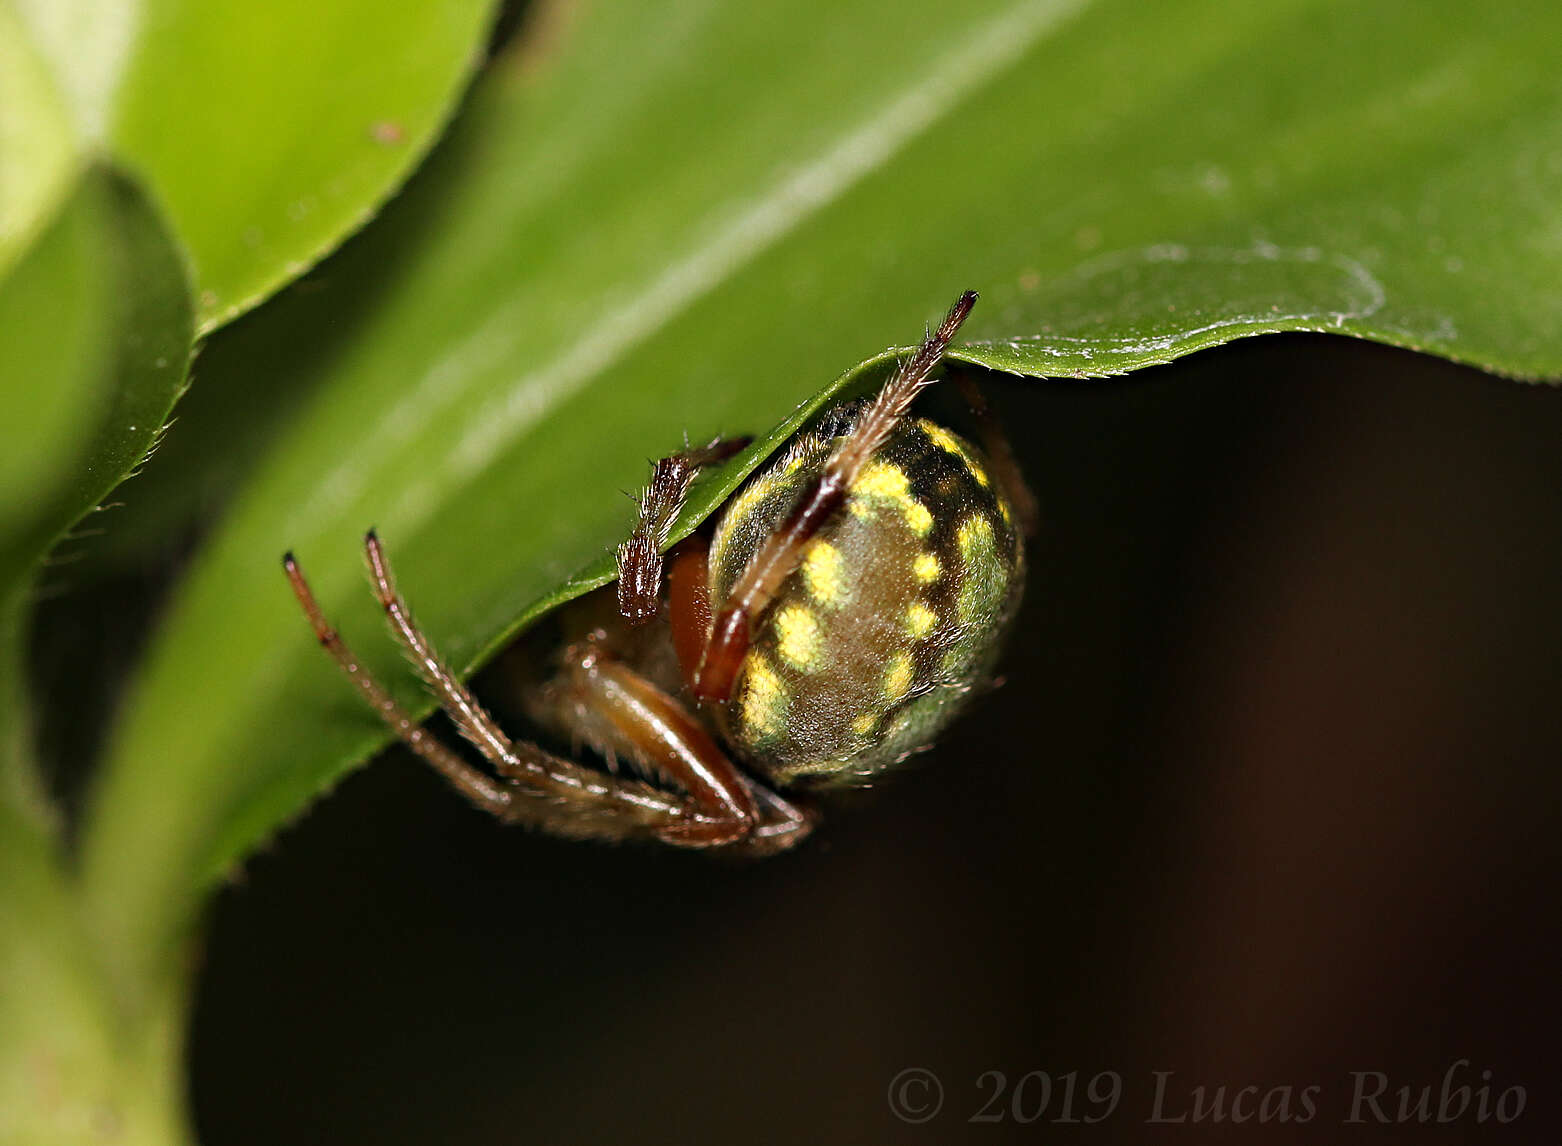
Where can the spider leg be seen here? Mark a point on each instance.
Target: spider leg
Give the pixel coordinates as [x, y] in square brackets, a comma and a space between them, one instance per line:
[776, 559]
[470, 717]
[688, 603]
[471, 783]
[717, 806]
[640, 557]
[599, 699]
[537, 788]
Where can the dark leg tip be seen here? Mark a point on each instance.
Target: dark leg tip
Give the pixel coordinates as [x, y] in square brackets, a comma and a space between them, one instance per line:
[287, 561]
[372, 535]
[952, 321]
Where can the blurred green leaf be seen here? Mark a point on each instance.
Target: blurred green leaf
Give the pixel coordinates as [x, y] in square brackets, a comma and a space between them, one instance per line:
[37, 152]
[58, 344]
[265, 132]
[95, 330]
[65, 1074]
[95, 333]
[701, 212]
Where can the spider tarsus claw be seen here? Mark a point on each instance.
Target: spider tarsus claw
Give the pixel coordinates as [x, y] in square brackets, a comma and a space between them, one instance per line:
[373, 535]
[961, 308]
[287, 561]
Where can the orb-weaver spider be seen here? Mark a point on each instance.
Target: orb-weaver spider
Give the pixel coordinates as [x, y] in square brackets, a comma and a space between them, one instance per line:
[850, 597]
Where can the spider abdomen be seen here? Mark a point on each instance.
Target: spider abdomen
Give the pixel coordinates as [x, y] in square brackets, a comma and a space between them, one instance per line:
[893, 616]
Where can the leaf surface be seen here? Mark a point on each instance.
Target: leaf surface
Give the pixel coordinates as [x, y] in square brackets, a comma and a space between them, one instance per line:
[264, 132]
[95, 329]
[697, 214]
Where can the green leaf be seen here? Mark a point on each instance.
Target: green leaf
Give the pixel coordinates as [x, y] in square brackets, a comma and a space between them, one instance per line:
[265, 132]
[37, 156]
[95, 330]
[699, 213]
[95, 335]
[65, 1074]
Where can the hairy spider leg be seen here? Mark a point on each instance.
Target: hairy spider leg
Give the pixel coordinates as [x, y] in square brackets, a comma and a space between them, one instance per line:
[640, 557]
[781, 553]
[604, 702]
[473, 784]
[719, 806]
[540, 790]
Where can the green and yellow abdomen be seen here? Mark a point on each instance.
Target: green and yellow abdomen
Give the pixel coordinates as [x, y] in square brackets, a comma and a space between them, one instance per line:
[893, 618]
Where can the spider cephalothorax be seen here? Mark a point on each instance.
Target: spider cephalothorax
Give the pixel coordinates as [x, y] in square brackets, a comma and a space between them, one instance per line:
[850, 597]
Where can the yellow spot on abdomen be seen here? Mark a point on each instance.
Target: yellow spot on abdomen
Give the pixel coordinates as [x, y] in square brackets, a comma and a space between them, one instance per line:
[950, 444]
[882, 483]
[926, 568]
[797, 637]
[824, 573]
[764, 697]
[865, 724]
[897, 677]
[920, 620]
[880, 479]
[975, 537]
[985, 575]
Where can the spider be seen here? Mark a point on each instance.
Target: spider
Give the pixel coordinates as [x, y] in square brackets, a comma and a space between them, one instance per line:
[849, 600]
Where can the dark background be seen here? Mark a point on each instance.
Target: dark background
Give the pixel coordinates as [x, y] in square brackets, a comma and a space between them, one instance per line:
[1270, 795]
